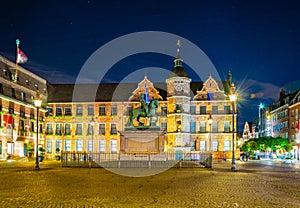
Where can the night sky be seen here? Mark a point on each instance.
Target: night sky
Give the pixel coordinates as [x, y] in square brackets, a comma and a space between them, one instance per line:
[257, 40]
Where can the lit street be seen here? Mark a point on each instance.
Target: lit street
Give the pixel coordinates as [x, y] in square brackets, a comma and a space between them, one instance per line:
[255, 184]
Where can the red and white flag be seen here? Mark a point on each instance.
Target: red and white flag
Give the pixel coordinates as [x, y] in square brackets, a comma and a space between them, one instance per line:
[8, 120]
[297, 127]
[21, 58]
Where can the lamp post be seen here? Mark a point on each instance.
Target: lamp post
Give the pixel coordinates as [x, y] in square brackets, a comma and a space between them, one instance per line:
[37, 104]
[210, 123]
[92, 122]
[233, 98]
[261, 107]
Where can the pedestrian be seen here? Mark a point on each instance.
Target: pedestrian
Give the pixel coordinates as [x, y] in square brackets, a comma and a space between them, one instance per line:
[243, 156]
[247, 156]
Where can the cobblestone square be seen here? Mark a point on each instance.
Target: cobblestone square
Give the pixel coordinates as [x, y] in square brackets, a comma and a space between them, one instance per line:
[256, 184]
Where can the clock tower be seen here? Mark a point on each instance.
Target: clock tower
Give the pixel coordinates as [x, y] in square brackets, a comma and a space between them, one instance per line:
[178, 96]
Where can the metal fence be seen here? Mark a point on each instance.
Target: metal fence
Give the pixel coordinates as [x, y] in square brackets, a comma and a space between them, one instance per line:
[137, 160]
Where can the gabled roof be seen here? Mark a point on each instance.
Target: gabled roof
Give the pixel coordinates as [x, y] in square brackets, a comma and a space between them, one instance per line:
[153, 93]
[210, 86]
[109, 92]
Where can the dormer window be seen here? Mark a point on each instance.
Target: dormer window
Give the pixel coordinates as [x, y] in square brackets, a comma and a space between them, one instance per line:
[5, 72]
[36, 86]
[27, 82]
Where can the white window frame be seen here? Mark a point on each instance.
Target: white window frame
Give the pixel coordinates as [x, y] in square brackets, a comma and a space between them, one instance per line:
[102, 145]
[89, 145]
[68, 145]
[215, 144]
[79, 145]
[114, 110]
[202, 145]
[49, 146]
[100, 133]
[113, 145]
[58, 144]
[227, 145]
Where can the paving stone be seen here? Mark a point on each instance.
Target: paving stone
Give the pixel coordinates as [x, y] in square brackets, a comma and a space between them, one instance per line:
[255, 184]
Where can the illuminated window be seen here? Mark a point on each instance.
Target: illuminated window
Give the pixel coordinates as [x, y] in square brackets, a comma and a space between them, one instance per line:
[67, 128]
[58, 129]
[193, 110]
[79, 110]
[79, 129]
[68, 111]
[89, 145]
[49, 147]
[113, 145]
[102, 145]
[90, 110]
[202, 145]
[227, 109]
[214, 126]
[23, 96]
[67, 145]
[102, 128]
[202, 126]
[193, 127]
[163, 126]
[49, 128]
[58, 111]
[102, 110]
[79, 145]
[58, 145]
[113, 128]
[226, 126]
[113, 110]
[215, 145]
[215, 109]
[49, 111]
[227, 145]
[202, 110]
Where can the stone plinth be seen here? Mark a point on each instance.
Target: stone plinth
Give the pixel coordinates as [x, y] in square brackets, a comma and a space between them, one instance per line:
[142, 139]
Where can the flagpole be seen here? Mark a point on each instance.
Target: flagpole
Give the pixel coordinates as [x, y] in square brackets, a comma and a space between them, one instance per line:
[16, 75]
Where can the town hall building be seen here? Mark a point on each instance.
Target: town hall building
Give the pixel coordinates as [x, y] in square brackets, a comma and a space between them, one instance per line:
[189, 116]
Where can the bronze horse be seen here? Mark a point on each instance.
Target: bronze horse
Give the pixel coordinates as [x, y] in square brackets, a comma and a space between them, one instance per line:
[144, 111]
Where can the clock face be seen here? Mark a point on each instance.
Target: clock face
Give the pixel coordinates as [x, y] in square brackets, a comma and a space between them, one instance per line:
[178, 87]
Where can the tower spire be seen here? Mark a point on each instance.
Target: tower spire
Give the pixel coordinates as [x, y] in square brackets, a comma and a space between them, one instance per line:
[178, 60]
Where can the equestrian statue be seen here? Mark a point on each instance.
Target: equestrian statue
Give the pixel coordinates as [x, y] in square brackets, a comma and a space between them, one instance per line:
[146, 110]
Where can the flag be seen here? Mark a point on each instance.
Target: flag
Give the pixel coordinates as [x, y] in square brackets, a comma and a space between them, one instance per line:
[297, 127]
[21, 58]
[8, 120]
[147, 99]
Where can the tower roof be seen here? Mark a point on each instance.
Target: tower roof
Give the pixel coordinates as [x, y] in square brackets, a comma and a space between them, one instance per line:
[178, 70]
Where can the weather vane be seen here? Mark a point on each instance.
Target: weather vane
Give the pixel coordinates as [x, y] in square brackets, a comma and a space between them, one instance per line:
[178, 44]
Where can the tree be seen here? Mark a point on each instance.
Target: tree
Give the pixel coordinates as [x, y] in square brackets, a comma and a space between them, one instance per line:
[252, 145]
[264, 143]
[288, 147]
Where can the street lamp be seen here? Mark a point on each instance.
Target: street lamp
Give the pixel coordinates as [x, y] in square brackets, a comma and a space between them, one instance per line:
[210, 123]
[37, 104]
[92, 122]
[233, 98]
[261, 107]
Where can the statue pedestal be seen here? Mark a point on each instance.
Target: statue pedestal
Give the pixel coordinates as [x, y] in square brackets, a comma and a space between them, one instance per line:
[142, 139]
